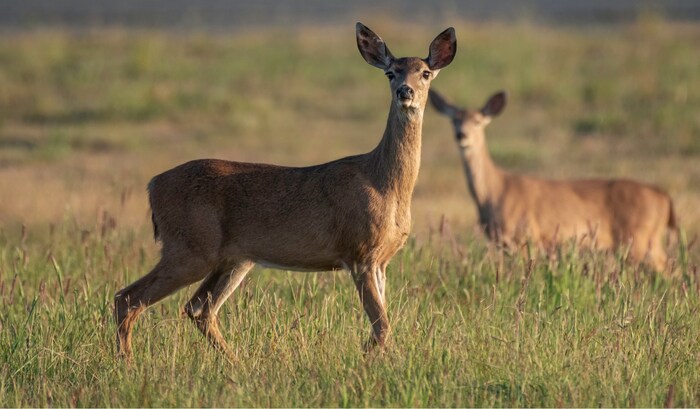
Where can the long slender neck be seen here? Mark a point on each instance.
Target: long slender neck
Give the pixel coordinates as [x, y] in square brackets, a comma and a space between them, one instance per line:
[394, 163]
[484, 178]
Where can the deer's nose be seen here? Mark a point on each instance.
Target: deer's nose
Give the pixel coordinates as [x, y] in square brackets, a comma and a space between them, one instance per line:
[404, 92]
[461, 135]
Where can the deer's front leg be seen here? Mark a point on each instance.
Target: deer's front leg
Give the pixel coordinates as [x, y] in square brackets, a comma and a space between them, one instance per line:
[380, 278]
[367, 280]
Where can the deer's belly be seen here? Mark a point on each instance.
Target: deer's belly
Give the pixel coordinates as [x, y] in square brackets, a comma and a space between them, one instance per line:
[301, 267]
[587, 233]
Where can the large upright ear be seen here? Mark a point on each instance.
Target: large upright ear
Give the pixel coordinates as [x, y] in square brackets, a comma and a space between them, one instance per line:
[372, 47]
[442, 49]
[495, 104]
[441, 104]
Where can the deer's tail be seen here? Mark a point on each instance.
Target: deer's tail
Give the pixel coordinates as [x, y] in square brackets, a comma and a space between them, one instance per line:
[672, 220]
[156, 232]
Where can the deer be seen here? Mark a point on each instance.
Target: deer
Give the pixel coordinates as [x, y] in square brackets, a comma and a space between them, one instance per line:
[604, 214]
[216, 219]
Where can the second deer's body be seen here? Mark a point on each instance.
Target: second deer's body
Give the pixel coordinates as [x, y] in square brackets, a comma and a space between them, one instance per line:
[602, 213]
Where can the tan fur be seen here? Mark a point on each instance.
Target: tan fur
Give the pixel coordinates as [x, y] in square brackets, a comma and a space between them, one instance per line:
[604, 214]
[217, 218]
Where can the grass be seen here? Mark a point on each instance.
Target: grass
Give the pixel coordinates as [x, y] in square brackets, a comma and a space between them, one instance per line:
[472, 327]
[86, 118]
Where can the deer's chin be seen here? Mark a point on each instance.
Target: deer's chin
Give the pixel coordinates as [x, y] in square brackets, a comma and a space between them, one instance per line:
[465, 145]
[406, 103]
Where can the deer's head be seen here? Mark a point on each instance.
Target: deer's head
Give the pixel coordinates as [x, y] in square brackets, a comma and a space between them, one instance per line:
[469, 124]
[409, 77]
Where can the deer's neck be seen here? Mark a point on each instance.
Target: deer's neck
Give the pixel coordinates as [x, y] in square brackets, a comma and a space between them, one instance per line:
[485, 179]
[395, 161]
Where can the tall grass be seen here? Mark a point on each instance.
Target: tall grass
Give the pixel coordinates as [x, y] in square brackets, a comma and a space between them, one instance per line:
[471, 327]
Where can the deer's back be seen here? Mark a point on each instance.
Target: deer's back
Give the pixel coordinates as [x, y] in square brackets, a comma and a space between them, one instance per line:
[612, 210]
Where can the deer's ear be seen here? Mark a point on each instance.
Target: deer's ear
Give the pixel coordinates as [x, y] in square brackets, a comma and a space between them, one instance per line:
[495, 104]
[442, 49]
[372, 47]
[441, 104]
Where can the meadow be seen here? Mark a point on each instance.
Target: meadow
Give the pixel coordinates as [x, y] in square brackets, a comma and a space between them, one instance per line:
[87, 117]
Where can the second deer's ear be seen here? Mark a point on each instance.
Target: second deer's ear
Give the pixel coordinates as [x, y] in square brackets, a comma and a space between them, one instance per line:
[372, 47]
[441, 104]
[495, 104]
[442, 49]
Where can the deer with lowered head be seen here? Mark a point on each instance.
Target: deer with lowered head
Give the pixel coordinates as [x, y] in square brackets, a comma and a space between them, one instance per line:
[602, 213]
[216, 218]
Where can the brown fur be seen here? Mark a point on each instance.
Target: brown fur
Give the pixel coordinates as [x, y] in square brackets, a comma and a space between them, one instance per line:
[604, 214]
[217, 218]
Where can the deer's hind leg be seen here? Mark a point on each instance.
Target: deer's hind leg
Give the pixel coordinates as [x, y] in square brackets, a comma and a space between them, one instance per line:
[647, 250]
[657, 256]
[204, 305]
[169, 275]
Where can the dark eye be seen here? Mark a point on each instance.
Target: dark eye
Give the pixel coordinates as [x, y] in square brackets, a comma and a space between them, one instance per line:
[426, 75]
[389, 75]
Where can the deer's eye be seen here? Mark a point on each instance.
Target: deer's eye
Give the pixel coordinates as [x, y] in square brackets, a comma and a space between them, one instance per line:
[389, 75]
[426, 75]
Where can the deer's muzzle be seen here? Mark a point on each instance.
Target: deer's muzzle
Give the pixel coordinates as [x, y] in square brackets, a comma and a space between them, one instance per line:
[404, 93]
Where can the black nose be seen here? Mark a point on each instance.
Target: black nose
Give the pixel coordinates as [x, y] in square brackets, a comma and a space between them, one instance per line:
[461, 135]
[404, 92]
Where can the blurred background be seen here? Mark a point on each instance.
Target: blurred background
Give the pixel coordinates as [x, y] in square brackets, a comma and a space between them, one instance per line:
[228, 15]
[96, 97]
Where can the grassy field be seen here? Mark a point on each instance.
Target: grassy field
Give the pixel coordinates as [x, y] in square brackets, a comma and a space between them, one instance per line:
[86, 118]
